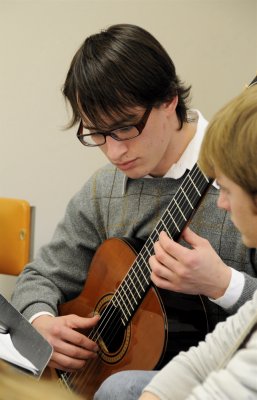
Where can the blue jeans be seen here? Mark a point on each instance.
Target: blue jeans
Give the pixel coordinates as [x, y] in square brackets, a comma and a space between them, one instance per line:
[125, 385]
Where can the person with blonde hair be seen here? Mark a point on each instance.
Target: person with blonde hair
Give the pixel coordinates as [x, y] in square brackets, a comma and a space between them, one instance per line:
[16, 385]
[224, 366]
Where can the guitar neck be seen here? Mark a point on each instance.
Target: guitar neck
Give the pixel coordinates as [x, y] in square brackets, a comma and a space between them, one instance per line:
[137, 281]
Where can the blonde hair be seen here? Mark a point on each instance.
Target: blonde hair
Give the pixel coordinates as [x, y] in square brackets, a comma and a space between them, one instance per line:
[16, 385]
[230, 142]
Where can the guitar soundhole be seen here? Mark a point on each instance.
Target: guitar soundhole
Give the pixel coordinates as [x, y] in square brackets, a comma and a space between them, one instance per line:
[114, 337]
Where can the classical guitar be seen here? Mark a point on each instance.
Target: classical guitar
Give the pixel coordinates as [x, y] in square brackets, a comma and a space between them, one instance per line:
[134, 329]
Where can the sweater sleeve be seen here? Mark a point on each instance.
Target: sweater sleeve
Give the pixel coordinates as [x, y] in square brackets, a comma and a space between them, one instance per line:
[59, 271]
[210, 370]
[236, 381]
[250, 287]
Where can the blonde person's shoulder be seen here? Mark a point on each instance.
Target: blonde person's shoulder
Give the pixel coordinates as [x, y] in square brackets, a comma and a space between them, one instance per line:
[19, 386]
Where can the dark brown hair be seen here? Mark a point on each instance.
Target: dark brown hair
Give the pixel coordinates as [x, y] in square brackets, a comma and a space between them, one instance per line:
[120, 68]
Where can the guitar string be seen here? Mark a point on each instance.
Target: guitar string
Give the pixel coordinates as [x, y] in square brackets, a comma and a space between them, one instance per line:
[161, 221]
[165, 221]
[184, 194]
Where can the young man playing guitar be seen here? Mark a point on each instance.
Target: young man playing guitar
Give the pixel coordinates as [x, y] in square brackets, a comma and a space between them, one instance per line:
[128, 100]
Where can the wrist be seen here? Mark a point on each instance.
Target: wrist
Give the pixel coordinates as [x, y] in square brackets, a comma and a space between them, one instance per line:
[222, 283]
[233, 292]
[39, 314]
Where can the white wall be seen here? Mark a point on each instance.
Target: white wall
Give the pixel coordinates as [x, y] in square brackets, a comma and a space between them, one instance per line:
[212, 42]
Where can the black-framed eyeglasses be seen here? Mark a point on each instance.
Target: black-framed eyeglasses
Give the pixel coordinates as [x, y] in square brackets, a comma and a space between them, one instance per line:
[123, 133]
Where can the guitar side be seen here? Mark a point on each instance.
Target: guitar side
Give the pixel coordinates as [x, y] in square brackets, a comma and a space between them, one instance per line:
[138, 345]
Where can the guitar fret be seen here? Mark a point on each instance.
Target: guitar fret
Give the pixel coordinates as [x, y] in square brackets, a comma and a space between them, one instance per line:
[181, 212]
[145, 262]
[142, 272]
[136, 276]
[174, 222]
[184, 193]
[166, 228]
[134, 286]
[148, 251]
[129, 302]
[142, 287]
[154, 236]
[131, 290]
[194, 185]
[137, 290]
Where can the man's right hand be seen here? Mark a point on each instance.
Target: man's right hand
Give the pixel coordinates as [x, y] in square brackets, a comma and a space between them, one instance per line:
[194, 270]
[71, 349]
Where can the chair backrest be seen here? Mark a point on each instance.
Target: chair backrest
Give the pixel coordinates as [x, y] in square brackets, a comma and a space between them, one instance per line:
[16, 234]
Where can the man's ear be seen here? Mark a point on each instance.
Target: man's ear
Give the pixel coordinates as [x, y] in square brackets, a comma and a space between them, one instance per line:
[170, 106]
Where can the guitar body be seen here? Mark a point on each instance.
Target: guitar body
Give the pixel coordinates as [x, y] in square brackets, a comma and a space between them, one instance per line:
[141, 344]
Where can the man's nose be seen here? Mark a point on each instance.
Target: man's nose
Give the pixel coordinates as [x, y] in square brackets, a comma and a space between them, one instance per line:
[223, 202]
[115, 149]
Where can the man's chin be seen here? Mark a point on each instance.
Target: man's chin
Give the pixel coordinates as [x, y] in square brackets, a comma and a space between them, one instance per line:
[133, 174]
[248, 242]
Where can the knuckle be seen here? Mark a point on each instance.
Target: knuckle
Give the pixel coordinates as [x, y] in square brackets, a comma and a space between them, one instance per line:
[205, 242]
[76, 364]
[161, 257]
[80, 341]
[190, 259]
[157, 269]
[183, 274]
[77, 352]
[151, 260]
[56, 330]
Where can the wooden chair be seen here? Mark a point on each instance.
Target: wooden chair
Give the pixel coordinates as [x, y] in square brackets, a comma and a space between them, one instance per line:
[16, 235]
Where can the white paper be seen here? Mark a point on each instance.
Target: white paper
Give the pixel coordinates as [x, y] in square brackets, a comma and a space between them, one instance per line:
[9, 353]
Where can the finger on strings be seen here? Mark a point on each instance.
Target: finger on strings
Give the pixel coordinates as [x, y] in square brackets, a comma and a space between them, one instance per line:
[171, 247]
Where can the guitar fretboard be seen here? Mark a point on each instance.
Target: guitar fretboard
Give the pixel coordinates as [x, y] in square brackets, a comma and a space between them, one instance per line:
[137, 281]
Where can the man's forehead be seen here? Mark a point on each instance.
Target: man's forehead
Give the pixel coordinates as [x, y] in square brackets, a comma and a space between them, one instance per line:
[113, 119]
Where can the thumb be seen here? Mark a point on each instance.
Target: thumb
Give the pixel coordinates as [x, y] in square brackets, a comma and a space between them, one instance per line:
[84, 322]
[94, 319]
[191, 237]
